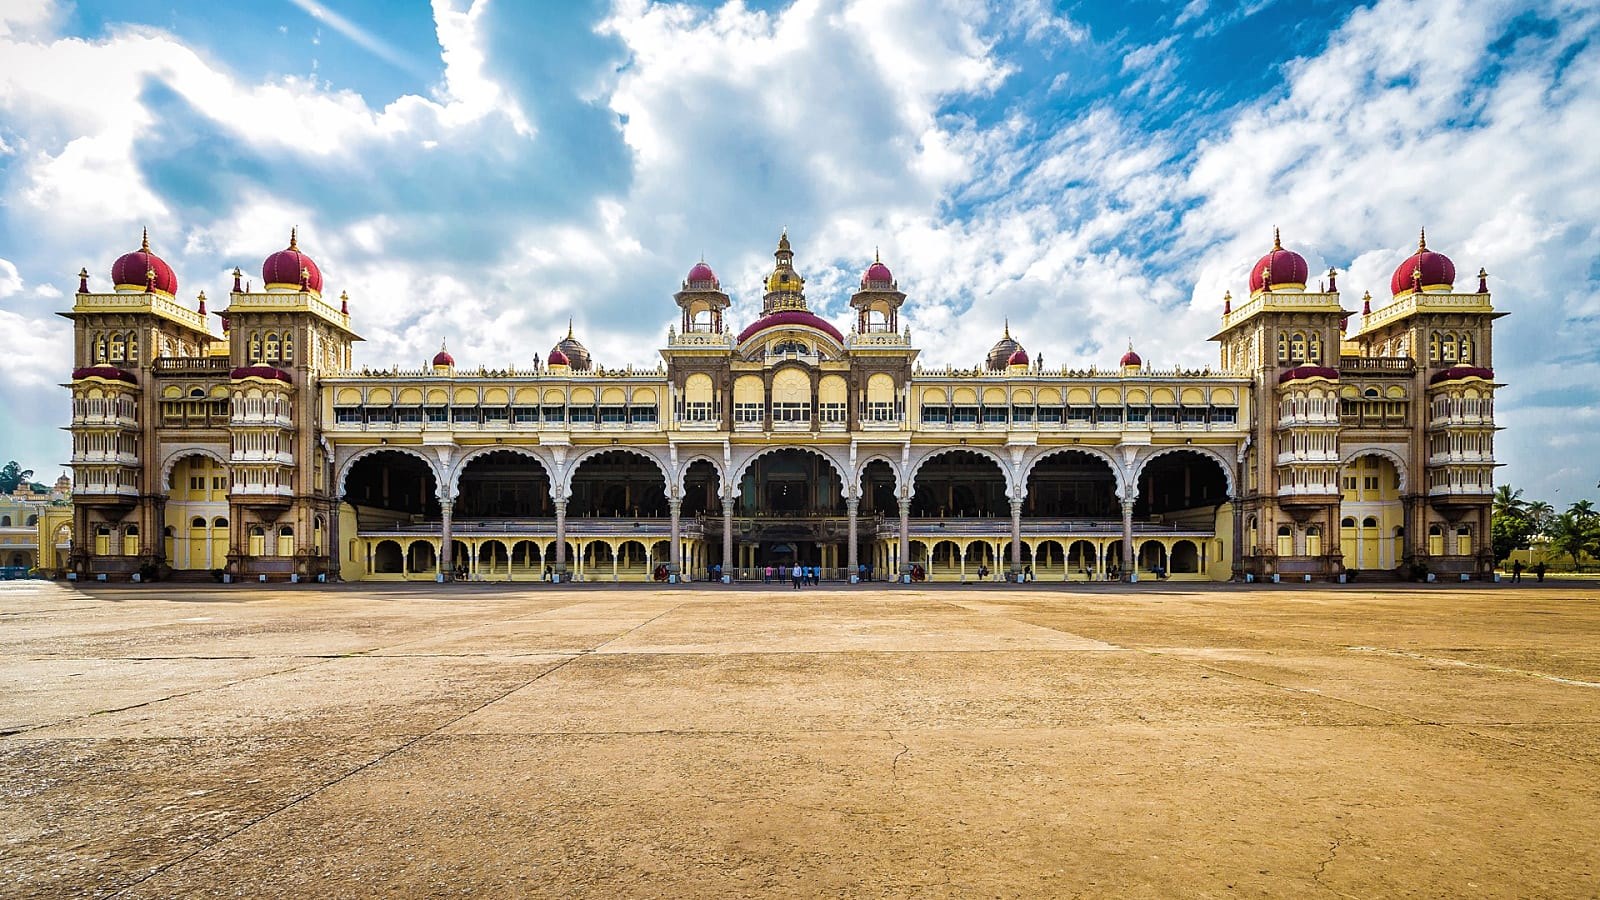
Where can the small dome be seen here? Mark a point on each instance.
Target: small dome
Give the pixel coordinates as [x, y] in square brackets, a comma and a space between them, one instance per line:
[1424, 269]
[557, 358]
[131, 271]
[443, 359]
[573, 350]
[877, 275]
[1280, 268]
[1000, 354]
[107, 372]
[289, 268]
[1019, 358]
[791, 317]
[1131, 360]
[701, 277]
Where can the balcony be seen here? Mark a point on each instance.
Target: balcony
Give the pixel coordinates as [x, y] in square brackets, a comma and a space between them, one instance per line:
[191, 365]
[1376, 365]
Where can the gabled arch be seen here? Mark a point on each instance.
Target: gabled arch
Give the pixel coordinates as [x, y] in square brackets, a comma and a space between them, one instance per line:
[1005, 468]
[173, 458]
[1116, 468]
[1221, 461]
[460, 467]
[577, 461]
[742, 468]
[1393, 457]
[347, 465]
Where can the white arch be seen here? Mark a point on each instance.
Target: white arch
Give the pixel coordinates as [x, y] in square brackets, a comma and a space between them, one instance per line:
[1117, 474]
[861, 471]
[1005, 468]
[460, 467]
[171, 462]
[579, 460]
[838, 469]
[1390, 455]
[1218, 458]
[347, 465]
[683, 471]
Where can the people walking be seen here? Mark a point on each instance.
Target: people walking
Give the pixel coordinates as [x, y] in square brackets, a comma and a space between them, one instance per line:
[1538, 571]
[795, 574]
[1516, 571]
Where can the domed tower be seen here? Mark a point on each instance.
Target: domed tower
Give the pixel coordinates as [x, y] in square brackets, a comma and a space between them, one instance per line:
[702, 300]
[443, 362]
[785, 287]
[1000, 354]
[576, 353]
[877, 303]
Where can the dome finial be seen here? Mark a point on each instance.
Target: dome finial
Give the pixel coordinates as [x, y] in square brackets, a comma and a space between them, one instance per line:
[144, 241]
[1008, 328]
[569, 328]
[1277, 244]
[1422, 240]
[442, 347]
[875, 257]
[294, 237]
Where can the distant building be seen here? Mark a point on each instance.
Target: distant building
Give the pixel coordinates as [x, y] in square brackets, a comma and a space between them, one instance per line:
[26, 517]
[263, 451]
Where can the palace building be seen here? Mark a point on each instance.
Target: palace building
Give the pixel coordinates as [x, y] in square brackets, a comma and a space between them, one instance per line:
[1326, 440]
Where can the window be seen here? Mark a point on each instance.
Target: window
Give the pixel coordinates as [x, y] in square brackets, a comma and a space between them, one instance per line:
[963, 415]
[553, 413]
[118, 348]
[408, 414]
[525, 415]
[1285, 541]
[1283, 348]
[347, 415]
[831, 412]
[1137, 414]
[935, 415]
[1297, 347]
[643, 415]
[582, 415]
[994, 415]
[255, 346]
[288, 347]
[791, 412]
[437, 413]
[465, 414]
[1466, 348]
[133, 347]
[614, 415]
[1022, 414]
[1224, 415]
[1192, 415]
[272, 346]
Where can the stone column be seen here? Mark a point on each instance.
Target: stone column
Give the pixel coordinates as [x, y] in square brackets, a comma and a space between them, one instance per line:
[561, 536]
[1016, 537]
[852, 505]
[1128, 556]
[727, 535]
[905, 535]
[446, 540]
[675, 508]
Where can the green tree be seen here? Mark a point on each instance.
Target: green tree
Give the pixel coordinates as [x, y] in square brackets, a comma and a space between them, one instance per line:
[13, 474]
[1509, 503]
[1575, 535]
[1509, 533]
[1583, 509]
[1541, 516]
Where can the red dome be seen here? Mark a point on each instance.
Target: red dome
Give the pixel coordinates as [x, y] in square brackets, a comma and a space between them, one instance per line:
[1279, 268]
[791, 317]
[131, 270]
[282, 269]
[1131, 359]
[557, 358]
[443, 358]
[1019, 358]
[877, 275]
[701, 275]
[109, 372]
[1436, 269]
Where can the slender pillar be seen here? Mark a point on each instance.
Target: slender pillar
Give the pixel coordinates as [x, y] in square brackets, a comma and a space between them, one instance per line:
[727, 535]
[852, 505]
[446, 540]
[1127, 540]
[561, 536]
[905, 536]
[675, 507]
[1016, 536]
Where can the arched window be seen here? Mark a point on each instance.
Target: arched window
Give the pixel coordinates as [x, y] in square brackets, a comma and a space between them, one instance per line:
[219, 522]
[286, 540]
[1285, 541]
[1433, 347]
[198, 522]
[1283, 348]
[100, 348]
[1448, 350]
[32, 520]
[1316, 347]
[258, 541]
[133, 346]
[1464, 540]
[119, 348]
[255, 346]
[1313, 540]
[1466, 348]
[5, 521]
[1297, 347]
[1435, 540]
[272, 346]
[288, 347]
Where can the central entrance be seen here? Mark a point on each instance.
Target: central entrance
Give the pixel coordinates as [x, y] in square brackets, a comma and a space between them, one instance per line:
[791, 512]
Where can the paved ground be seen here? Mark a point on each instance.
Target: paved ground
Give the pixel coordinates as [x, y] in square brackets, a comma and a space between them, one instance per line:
[1159, 741]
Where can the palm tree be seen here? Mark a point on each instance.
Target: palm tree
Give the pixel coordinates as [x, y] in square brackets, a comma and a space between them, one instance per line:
[1508, 503]
[1540, 515]
[1583, 509]
[1576, 535]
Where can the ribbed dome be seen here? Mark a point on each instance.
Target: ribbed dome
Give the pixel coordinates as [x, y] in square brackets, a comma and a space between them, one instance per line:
[1131, 360]
[576, 353]
[1425, 269]
[1279, 269]
[443, 359]
[131, 271]
[701, 278]
[288, 268]
[1000, 354]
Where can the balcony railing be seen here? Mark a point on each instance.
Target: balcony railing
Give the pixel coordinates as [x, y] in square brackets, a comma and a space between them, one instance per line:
[192, 365]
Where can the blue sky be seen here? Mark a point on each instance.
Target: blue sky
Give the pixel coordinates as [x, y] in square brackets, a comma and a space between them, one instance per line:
[1095, 173]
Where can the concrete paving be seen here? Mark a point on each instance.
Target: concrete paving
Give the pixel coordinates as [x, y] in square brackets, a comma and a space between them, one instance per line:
[1143, 741]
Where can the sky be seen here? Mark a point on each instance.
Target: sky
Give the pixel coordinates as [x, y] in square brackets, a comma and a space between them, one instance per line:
[482, 171]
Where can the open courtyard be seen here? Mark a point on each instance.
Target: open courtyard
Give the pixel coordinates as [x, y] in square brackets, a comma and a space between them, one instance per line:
[1143, 740]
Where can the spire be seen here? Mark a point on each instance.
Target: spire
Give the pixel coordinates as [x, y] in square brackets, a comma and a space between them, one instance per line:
[344, 303]
[1483, 280]
[144, 241]
[294, 238]
[83, 280]
[1333, 280]
[237, 275]
[1227, 302]
[1366, 303]
[202, 299]
[1422, 240]
[442, 347]
[569, 328]
[1008, 328]
[875, 257]
[1277, 244]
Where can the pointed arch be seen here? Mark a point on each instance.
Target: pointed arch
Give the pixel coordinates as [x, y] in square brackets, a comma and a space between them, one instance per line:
[1005, 467]
[861, 471]
[1393, 457]
[172, 459]
[576, 462]
[680, 483]
[742, 468]
[1117, 472]
[347, 465]
[1210, 452]
[460, 466]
